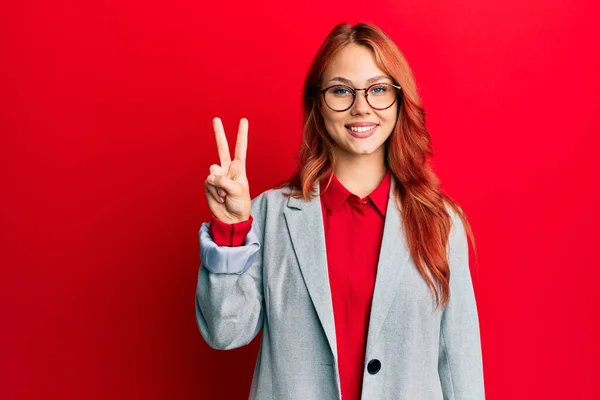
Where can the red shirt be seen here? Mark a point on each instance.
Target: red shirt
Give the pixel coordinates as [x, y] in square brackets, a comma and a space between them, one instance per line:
[353, 233]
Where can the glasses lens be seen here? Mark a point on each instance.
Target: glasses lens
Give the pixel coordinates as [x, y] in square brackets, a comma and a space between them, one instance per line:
[339, 97]
[381, 95]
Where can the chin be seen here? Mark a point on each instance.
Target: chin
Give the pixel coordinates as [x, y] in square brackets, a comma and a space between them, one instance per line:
[363, 150]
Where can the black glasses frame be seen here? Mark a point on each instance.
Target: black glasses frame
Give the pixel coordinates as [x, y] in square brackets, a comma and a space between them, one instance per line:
[354, 90]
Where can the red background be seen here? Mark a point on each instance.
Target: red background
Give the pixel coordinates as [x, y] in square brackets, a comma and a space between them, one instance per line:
[106, 140]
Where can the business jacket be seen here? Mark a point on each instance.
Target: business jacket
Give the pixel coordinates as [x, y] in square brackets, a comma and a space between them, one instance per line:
[277, 281]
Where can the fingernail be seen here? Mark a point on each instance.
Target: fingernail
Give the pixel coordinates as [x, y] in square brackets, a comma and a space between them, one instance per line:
[211, 178]
[221, 200]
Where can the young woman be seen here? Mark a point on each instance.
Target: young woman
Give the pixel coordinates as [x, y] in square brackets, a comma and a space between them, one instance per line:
[356, 269]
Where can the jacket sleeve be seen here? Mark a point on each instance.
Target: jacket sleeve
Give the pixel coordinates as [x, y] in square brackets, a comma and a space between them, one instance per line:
[460, 364]
[229, 294]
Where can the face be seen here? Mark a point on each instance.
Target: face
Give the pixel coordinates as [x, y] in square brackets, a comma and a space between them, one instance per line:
[360, 130]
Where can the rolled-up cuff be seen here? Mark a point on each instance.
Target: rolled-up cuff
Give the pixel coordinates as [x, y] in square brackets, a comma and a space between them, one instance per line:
[227, 260]
[224, 234]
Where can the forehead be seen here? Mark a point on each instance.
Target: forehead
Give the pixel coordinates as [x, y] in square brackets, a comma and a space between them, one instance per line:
[353, 62]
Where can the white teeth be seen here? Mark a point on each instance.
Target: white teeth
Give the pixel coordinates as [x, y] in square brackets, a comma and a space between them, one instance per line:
[362, 129]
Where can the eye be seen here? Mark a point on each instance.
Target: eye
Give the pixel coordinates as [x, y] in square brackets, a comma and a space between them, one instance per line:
[340, 91]
[379, 89]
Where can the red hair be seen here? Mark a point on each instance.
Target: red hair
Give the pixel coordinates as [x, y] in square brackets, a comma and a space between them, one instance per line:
[418, 195]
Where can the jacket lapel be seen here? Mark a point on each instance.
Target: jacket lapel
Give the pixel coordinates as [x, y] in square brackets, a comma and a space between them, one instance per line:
[305, 223]
[393, 258]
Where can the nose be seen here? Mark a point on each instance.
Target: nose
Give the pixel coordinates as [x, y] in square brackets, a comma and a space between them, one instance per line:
[360, 106]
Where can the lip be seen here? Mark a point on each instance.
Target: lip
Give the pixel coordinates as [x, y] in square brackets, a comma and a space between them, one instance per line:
[361, 135]
[359, 124]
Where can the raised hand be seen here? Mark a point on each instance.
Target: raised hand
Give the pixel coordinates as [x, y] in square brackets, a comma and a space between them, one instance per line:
[226, 187]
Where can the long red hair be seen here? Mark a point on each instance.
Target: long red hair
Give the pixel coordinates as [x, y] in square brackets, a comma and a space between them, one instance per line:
[418, 195]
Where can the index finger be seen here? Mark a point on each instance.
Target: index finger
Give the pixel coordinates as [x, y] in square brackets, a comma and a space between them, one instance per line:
[241, 144]
[222, 146]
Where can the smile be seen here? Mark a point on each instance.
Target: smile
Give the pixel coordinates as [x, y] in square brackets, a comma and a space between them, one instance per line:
[362, 129]
[361, 132]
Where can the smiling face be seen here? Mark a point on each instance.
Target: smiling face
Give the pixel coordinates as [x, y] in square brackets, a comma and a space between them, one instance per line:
[360, 130]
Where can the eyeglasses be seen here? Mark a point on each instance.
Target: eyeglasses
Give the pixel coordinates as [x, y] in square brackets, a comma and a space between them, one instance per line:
[379, 96]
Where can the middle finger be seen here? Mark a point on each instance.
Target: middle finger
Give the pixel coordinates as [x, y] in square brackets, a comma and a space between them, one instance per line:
[222, 146]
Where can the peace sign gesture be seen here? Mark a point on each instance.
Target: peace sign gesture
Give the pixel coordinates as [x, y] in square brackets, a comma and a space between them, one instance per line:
[226, 187]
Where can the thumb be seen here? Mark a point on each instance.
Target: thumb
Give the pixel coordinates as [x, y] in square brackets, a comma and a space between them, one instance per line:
[223, 182]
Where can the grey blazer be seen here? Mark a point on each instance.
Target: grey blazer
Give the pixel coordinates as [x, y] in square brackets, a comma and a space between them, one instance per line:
[278, 282]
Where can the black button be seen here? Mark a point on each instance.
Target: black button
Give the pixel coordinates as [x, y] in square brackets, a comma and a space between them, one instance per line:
[374, 366]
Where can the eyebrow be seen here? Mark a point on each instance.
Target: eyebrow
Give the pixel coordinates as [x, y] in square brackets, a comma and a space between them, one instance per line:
[370, 80]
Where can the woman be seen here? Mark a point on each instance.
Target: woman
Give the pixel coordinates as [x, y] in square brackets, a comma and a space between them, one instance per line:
[356, 269]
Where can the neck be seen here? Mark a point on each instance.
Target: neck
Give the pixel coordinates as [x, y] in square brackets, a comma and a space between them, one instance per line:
[360, 174]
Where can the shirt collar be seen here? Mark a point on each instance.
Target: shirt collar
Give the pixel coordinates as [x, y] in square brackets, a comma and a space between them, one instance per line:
[336, 194]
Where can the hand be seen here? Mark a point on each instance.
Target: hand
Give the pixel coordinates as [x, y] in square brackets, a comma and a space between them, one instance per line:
[226, 187]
